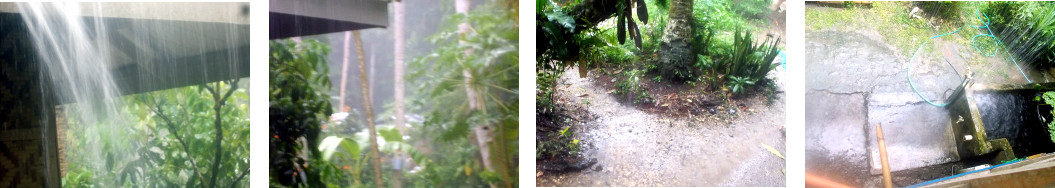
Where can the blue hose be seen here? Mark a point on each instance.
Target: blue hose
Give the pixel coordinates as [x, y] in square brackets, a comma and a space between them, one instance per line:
[996, 41]
[783, 59]
[958, 175]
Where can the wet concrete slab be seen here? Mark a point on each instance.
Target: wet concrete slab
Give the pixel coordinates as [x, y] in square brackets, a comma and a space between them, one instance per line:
[848, 62]
[856, 81]
[835, 136]
[917, 134]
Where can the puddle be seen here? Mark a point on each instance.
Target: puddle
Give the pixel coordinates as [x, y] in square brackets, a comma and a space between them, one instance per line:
[1014, 115]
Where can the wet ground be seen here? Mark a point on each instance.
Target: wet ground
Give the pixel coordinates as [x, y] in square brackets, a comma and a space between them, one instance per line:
[856, 80]
[636, 148]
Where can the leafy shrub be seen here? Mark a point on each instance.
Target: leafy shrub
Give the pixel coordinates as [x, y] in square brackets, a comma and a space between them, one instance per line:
[751, 8]
[563, 143]
[653, 32]
[1049, 99]
[601, 44]
[945, 10]
[752, 61]
[703, 35]
[630, 86]
[299, 103]
[546, 77]
[710, 74]
[747, 65]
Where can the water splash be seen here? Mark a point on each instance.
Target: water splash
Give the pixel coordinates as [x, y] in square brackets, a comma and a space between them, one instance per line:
[77, 67]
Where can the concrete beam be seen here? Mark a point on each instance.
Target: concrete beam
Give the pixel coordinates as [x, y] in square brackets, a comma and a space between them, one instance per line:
[312, 17]
[160, 74]
[229, 12]
[156, 46]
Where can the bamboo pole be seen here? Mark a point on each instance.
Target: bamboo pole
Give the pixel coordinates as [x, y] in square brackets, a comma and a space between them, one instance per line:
[883, 158]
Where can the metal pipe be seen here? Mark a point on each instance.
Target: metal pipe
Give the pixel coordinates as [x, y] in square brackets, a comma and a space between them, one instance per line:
[883, 158]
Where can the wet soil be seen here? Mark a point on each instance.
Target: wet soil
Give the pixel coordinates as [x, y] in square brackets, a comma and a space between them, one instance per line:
[636, 147]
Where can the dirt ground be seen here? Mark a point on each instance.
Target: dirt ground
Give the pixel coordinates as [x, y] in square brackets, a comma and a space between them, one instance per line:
[638, 148]
[708, 140]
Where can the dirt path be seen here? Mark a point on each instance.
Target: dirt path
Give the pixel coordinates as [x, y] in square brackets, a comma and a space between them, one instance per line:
[635, 148]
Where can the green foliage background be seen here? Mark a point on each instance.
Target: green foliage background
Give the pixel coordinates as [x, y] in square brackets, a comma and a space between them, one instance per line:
[155, 158]
[298, 106]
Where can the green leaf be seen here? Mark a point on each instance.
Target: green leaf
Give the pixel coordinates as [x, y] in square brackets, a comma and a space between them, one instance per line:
[772, 150]
[331, 144]
[562, 19]
[390, 135]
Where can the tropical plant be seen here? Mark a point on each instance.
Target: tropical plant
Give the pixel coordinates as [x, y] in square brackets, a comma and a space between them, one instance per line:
[750, 63]
[482, 62]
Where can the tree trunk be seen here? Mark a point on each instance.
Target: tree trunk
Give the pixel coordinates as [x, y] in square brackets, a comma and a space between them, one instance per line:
[481, 132]
[676, 45]
[344, 71]
[397, 35]
[374, 153]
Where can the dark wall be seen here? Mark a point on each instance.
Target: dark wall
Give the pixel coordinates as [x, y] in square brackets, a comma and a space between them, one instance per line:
[24, 118]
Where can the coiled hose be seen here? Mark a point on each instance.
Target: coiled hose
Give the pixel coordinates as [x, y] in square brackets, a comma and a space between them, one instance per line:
[996, 41]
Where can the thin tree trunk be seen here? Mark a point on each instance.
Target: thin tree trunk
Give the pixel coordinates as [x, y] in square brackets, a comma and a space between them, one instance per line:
[374, 153]
[372, 81]
[344, 71]
[397, 34]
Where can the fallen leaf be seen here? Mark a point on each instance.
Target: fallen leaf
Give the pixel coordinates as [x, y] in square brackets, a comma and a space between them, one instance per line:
[774, 151]
[609, 92]
[584, 95]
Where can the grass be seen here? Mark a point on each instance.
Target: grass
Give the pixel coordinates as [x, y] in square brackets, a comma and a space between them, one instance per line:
[890, 19]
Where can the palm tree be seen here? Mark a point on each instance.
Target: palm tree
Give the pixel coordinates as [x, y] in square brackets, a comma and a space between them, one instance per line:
[676, 45]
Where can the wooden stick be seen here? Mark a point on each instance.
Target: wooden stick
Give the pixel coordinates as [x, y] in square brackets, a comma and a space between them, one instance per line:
[883, 158]
[816, 181]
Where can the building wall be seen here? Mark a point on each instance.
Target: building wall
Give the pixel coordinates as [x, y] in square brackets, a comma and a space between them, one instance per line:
[23, 117]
